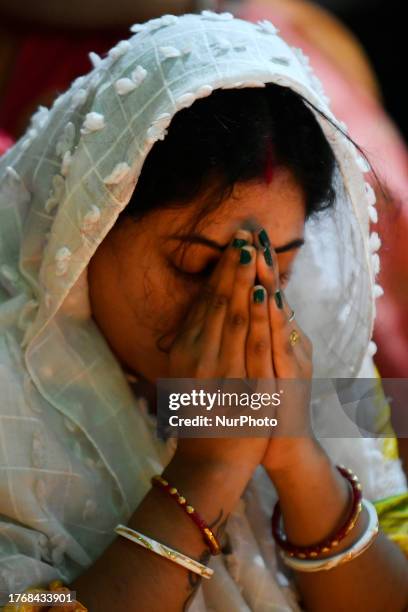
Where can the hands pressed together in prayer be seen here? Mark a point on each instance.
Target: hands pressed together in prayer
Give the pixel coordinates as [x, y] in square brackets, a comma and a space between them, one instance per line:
[240, 329]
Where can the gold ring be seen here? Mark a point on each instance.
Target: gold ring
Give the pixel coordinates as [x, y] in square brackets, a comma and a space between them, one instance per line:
[294, 337]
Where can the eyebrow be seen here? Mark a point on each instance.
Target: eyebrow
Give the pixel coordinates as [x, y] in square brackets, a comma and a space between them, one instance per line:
[200, 239]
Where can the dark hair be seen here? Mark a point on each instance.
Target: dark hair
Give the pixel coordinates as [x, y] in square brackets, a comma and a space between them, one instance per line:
[228, 137]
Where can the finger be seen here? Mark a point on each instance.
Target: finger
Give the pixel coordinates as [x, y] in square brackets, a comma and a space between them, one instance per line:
[235, 330]
[283, 356]
[217, 288]
[267, 263]
[259, 345]
[288, 348]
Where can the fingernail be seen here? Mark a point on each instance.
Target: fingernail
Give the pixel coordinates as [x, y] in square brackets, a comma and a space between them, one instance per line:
[278, 299]
[264, 238]
[245, 256]
[268, 257]
[239, 242]
[258, 294]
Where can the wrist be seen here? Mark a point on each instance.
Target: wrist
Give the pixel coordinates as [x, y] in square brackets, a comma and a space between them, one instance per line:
[226, 455]
[294, 458]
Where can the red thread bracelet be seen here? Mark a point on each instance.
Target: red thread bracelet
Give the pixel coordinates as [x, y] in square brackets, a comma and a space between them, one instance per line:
[208, 534]
[305, 552]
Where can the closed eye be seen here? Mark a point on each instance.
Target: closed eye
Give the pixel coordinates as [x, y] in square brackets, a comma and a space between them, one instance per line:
[205, 272]
[195, 276]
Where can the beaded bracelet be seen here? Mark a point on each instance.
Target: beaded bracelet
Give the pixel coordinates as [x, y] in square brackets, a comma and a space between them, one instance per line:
[209, 537]
[307, 552]
[355, 550]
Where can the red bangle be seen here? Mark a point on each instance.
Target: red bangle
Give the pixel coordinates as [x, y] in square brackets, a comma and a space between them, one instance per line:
[305, 552]
[209, 537]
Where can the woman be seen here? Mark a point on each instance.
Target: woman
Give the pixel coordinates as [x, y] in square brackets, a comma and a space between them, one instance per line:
[104, 279]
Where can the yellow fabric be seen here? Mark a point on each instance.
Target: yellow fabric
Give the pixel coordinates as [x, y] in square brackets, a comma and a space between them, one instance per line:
[392, 511]
[393, 517]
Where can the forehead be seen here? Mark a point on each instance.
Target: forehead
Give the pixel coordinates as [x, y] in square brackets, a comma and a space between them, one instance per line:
[278, 206]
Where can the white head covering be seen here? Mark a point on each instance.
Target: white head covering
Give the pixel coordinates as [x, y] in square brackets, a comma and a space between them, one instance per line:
[84, 443]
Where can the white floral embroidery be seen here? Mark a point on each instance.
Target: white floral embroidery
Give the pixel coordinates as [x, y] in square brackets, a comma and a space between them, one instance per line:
[124, 86]
[266, 26]
[118, 174]
[120, 49]
[40, 117]
[66, 142]
[66, 162]
[168, 20]
[56, 193]
[217, 16]
[378, 291]
[161, 22]
[78, 98]
[137, 27]
[363, 164]
[163, 120]
[372, 348]
[370, 194]
[249, 83]
[62, 259]
[95, 59]
[372, 212]
[185, 100]
[374, 242]
[158, 129]
[375, 260]
[169, 52]
[38, 449]
[203, 91]
[91, 219]
[138, 75]
[93, 123]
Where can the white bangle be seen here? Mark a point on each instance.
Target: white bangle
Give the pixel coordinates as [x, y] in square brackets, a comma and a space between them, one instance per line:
[164, 551]
[317, 565]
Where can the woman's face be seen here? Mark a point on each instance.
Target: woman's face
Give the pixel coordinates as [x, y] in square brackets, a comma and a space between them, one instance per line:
[138, 298]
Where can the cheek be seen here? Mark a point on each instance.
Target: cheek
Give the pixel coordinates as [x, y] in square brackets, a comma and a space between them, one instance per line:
[165, 303]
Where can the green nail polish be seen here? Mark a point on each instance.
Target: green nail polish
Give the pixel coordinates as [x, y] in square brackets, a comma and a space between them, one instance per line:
[268, 256]
[278, 299]
[239, 242]
[244, 256]
[258, 295]
[264, 238]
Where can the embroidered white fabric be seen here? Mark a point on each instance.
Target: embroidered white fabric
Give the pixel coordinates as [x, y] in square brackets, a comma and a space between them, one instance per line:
[77, 449]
